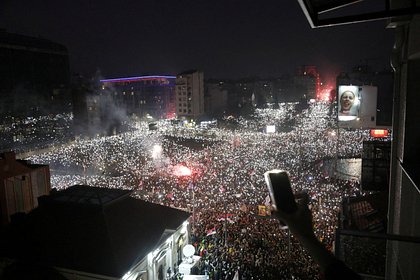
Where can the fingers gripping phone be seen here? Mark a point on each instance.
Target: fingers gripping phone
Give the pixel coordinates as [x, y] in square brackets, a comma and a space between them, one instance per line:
[280, 190]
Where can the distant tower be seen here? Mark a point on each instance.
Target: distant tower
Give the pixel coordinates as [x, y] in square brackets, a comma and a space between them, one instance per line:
[189, 94]
[21, 184]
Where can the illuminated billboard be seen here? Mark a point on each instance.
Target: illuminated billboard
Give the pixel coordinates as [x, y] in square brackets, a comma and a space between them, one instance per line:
[357, 106]
[348, 103]
[379, 133]
[271, 128]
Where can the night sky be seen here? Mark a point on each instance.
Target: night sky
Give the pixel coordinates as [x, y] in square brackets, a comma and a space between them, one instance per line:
[222, 38]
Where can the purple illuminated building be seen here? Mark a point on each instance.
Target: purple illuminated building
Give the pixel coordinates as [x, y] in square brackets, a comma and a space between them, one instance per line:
[144, 96]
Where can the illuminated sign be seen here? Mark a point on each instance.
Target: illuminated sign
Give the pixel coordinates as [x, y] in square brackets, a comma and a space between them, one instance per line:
[357, 106]
[271, 128]
[378, 133]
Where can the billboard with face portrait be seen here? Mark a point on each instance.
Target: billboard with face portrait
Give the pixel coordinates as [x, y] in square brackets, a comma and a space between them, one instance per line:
[357, 106]
[348, 103]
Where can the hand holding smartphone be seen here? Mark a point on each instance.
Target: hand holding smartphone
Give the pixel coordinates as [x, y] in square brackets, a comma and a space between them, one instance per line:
[280, 190]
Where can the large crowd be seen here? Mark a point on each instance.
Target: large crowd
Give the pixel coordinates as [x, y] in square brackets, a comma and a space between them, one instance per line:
[23, 134]
[217, 175]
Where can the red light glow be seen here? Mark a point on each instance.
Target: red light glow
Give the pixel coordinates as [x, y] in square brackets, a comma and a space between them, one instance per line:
[325, 93]
[378, 133]
[181, 171]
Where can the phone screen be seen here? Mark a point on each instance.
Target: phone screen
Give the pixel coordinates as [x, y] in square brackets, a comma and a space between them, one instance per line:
[281, 193]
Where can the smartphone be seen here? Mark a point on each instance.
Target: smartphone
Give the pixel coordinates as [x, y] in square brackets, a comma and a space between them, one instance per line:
[280, 190]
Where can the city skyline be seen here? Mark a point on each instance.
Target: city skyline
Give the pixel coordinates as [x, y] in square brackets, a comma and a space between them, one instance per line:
[224, 39]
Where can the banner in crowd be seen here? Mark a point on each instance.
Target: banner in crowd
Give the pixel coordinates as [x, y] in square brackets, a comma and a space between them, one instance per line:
[264, 210]
[211, 231]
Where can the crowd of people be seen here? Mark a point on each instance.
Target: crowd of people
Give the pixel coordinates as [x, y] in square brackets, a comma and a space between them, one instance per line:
[217, 175]
[23, 134]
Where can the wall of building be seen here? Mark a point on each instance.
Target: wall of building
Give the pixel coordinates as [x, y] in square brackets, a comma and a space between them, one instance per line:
[35, 69]
[20, 186]
[217, 101]
[404, 207]
[190, 94]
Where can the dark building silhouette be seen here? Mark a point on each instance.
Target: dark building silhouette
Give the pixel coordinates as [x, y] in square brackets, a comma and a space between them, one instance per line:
[242, 96]
[34, 73]
[98, 109]
[143, 95]
[307, 82]
[97, 233]
[80, 88]
[21, 184]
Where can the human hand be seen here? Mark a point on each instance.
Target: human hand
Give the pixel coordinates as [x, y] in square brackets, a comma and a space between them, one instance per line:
[300, 221]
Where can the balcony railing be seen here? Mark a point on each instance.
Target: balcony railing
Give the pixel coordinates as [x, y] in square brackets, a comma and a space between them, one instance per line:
[367, 253]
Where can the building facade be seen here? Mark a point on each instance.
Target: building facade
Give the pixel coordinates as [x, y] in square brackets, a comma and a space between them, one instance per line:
[189, 94]
[34, 72]
[21, 184]
[307, 82]
[144, 95]
[216, 99]
[99, 233]
[404, 197]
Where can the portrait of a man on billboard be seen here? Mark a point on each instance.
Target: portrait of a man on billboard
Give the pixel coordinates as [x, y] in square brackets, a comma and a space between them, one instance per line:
[348, 103]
